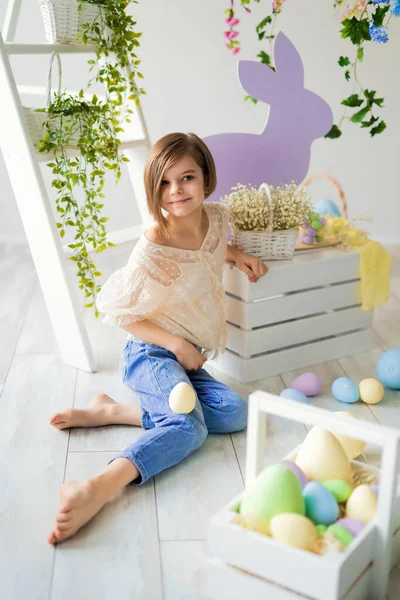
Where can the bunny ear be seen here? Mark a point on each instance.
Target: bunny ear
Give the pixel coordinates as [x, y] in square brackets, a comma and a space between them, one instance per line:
[289, 66]
[257, 79]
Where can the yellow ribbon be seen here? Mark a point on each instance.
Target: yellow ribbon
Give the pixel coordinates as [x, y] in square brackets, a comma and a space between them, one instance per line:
[374, 260]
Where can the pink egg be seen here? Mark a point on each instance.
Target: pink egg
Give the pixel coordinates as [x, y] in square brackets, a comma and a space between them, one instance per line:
[308, 383]
[355, 527]
[296, 470]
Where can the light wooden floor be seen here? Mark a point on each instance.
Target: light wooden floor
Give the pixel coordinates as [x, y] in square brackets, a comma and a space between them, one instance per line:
[148, 543]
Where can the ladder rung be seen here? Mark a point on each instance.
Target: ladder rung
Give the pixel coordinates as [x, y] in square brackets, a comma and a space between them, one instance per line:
[15, 48]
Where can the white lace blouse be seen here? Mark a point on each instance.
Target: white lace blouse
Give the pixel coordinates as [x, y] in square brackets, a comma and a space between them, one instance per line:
[179, 290]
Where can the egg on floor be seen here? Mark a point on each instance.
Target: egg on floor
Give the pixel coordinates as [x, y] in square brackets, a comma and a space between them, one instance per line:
[307, 383]
[345, 390]
[293, 394]
[371, 391]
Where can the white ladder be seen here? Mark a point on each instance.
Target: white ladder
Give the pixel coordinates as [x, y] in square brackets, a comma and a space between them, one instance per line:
[22, 163]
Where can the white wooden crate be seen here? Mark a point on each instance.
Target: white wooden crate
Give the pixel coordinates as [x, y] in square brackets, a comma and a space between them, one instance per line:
[304, 311]
[248, 564]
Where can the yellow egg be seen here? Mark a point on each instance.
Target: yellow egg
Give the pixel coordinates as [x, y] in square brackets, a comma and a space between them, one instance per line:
[371, 391]
[182, 398]
[351, 446]
[321, 457]
[362, 504]
[295, 530]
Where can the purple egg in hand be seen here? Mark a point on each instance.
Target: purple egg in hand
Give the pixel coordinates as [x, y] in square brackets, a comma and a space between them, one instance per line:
[355, 527]
[296, 470]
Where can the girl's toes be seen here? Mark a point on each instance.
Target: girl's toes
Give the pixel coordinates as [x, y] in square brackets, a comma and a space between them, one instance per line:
[62, 526]
[63, 518]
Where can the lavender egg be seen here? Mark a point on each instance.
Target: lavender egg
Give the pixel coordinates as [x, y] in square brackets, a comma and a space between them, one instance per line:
[296, 470]
[307, 383]
[355, 527]
[308, 239]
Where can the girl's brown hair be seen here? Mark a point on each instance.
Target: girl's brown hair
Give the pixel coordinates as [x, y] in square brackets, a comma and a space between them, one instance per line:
[163, 156]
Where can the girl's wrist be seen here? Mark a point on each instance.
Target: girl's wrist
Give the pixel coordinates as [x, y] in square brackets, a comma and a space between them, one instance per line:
[233, 254]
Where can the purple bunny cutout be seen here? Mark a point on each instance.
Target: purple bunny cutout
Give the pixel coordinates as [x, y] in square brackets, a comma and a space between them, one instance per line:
[281, 152]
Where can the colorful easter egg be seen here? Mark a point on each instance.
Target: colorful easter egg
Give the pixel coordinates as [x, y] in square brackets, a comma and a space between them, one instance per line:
[321, 528]
[294, 530]
[325, 206]
[308, 239]
[317, 225]
[321, 506]
[182, 398]
[321, 457]
[362, 504]
[351, 446]
[275, 490]
[296, 470]
[341, 534]
[293, 394]
[388, 368]
[340, 489]
[371, 391]
[345, 390]
[355, 527]
[307, 383]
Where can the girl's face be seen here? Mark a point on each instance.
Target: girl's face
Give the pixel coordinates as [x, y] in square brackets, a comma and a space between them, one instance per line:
[182, 188]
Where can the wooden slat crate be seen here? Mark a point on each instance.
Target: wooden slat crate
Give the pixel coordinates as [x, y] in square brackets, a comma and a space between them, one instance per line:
[303, 311]
[245, 563]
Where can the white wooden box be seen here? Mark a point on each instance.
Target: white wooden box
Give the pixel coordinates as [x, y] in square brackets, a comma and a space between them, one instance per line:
[248, 564]
[302, 312]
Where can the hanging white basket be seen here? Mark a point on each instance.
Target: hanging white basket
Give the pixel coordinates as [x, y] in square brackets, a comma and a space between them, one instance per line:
[271, 244]
[62, 20]
[36, 120]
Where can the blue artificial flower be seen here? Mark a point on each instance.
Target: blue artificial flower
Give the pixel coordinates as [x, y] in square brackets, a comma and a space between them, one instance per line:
[379, 35]
[395, 6]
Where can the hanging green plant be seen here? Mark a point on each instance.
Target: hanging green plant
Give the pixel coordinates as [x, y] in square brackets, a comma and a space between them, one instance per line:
[92, 128]
[117, 66]
[362, 21]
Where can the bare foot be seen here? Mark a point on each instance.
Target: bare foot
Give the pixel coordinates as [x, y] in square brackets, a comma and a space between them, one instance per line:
[79, 502]
[97, 414]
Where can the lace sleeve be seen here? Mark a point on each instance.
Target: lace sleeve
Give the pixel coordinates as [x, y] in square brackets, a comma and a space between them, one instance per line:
[133, 294]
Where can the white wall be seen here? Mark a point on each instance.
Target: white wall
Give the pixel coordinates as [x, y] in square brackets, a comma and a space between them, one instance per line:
[192, 85]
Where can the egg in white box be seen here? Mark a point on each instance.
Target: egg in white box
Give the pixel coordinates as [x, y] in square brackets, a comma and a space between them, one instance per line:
[351, 446]
[321, 457]
[295, 530]
[321, 505]
[275, 490]
[362, 504]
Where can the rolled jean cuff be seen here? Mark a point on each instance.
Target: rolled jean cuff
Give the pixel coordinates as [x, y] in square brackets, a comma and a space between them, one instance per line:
[135, 460]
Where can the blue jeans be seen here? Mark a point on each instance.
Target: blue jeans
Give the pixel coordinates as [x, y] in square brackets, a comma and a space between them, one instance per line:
[151, 372]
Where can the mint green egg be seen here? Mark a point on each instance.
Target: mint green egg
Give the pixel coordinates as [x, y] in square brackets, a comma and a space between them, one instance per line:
[321, 528]
[339, 488]
[276, 490]
[341, 534]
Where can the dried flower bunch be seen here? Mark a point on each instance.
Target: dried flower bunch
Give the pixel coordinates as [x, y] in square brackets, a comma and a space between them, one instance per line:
[250, 211]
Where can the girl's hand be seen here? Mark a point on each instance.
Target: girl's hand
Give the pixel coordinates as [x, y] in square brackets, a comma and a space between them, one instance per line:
[188, 356]
[252, 266]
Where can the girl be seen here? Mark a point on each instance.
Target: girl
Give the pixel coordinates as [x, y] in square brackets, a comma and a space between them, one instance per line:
[170, 300]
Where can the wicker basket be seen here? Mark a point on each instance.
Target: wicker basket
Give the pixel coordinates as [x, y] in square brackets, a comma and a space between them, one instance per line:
[326, 242]
[272, 244]
[62, 20]
[36, 120]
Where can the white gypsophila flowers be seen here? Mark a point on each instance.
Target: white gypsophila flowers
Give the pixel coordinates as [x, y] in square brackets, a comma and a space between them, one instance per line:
[249, 209]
